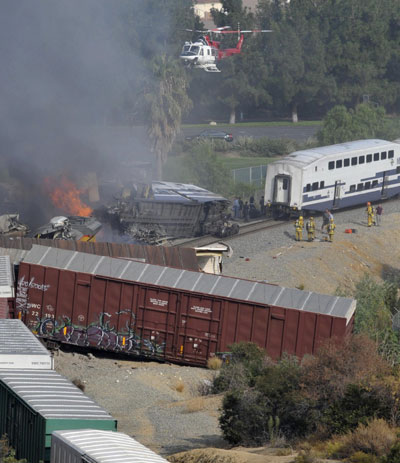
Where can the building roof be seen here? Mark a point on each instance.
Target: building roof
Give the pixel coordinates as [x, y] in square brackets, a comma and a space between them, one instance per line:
[108, 446]
[52, 396]
[305, 157]
[6, 277]
[216, 285]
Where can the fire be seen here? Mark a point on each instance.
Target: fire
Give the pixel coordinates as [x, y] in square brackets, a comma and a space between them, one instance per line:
[66, 197]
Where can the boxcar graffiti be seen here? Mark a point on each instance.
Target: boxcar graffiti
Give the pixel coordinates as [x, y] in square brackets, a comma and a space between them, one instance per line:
[172, 314]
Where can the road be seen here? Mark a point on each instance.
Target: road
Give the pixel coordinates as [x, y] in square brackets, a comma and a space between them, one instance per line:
[298, 133]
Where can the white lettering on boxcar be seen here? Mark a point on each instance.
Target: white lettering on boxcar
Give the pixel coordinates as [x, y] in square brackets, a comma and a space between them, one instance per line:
[159, 302]
[200, 309]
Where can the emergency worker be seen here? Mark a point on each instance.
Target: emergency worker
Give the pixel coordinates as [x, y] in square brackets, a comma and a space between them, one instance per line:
[268, 209]
[331, 229]
[301, 220]
[299, 230]
[370, 214]
[310, 227]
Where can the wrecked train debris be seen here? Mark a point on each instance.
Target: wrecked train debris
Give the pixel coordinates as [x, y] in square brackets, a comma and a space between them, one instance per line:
[11, 226]
[70, 228]
[169, 210]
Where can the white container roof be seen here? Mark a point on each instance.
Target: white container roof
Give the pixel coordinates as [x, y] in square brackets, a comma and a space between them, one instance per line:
[6, 277]
[108, 446]
[52, 396]
[216, 285]
[19, 347]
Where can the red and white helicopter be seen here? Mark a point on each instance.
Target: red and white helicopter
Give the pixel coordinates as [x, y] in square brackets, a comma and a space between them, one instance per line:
[205, 52]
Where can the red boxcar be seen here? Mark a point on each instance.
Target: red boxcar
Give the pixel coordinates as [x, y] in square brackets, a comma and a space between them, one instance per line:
[168, 313]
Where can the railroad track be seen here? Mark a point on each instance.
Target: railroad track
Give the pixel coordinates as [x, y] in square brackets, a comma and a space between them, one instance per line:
[245, 229]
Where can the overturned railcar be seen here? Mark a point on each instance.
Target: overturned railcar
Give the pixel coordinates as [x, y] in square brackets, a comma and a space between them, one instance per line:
[166, 313]
[173, 210]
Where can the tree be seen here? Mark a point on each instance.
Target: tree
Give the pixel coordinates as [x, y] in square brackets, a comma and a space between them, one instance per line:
[166, 101]
[341, 124]
[296, 55]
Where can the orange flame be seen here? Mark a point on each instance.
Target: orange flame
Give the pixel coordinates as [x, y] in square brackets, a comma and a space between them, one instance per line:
[66, 196]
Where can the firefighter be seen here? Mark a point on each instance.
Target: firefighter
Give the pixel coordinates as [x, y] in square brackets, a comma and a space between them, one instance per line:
[310, 227]
[299, 230]
[301, 220]
[370, 214]
[331, 229]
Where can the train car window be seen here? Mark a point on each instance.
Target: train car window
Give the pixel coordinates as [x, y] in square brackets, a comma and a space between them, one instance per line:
[315, 186]
[322, 185]
[331, 165]
[376, 156]
[338, 164]
[367, 185]
[285, 184]
[374, 183]
[361, 159]
[360, 186]
[308, 187]
[390, 154]
[353, 161]
[383, 155]
[369, 157]
[352, 188]
[346, 162]
[398, 170]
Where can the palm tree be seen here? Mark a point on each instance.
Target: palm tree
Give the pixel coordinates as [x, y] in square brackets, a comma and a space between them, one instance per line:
[166, 101]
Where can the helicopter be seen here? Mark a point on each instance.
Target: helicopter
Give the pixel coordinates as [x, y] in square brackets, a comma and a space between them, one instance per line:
[205, 52]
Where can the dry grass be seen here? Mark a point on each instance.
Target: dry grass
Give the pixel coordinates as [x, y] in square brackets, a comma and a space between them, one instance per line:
[375, 438]
[178, 386]
[195, 405]
[214, 363]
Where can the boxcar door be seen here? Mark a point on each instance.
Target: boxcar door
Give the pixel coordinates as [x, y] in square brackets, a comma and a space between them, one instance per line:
[336, 194]
[282, 189]
[385, 182]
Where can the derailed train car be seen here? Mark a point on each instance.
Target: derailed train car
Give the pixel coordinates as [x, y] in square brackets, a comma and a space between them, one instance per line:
[173, 210]
[167, 313]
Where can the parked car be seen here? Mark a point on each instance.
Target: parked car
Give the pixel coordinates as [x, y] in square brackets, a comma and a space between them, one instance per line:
[212, 135]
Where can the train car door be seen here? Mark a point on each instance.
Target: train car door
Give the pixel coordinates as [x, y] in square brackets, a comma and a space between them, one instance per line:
[336, 194]
[385, 182]
[282, 189]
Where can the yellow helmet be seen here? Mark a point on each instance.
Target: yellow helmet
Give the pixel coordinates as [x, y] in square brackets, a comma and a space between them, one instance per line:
[301, 217]
[331, 220]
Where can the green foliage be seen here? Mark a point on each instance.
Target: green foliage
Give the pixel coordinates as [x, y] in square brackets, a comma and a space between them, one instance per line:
[264, 146]
[394, 454]
[166, 101]
[201, 167]
[245, 363]
[358, 405]
[335, 391]
[7, 454]
[365, 121]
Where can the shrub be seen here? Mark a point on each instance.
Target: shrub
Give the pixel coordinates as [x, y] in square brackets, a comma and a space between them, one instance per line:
[7, 454]
[394, 454]
[243, 366]
[358, 405]
[214, 363]
[375, 438]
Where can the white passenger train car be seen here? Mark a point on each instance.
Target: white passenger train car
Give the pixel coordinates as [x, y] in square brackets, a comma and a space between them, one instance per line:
[334, 176]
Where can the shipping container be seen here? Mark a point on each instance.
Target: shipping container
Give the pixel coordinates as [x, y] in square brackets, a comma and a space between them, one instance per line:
[167, 313]
[7, 288]
[90, 445]
[21, 349]
[33, 404]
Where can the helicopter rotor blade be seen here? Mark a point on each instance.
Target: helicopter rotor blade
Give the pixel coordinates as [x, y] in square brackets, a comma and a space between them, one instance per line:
[245, 32]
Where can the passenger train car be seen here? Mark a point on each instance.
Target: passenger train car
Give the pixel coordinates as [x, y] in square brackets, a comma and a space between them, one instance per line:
[334, 177]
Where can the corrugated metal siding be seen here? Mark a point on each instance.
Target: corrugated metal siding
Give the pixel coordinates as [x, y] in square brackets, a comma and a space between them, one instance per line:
[33, 404]
[6, 277]
[100, 447]
[217, 285]
[178, 257]
[19, 347]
